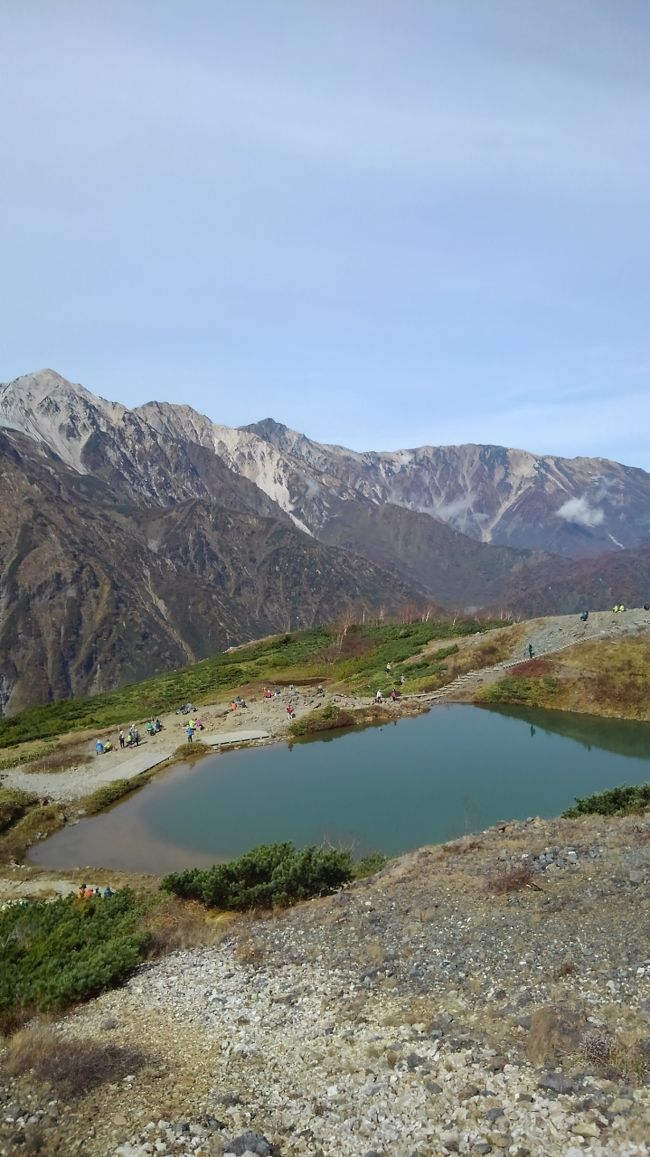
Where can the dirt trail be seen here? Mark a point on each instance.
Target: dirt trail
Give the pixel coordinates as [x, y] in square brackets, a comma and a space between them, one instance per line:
[547, 636]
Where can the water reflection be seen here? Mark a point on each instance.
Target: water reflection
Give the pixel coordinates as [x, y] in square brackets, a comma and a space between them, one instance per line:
[625, 737]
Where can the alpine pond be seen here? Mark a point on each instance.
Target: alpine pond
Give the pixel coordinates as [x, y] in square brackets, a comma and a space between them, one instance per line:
[454, 770]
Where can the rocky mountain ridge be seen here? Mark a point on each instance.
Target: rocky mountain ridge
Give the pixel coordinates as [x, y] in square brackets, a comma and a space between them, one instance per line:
[136, 540]
[509, 497]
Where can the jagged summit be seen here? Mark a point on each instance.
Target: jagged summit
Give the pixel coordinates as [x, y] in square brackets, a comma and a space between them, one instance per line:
[132, 539]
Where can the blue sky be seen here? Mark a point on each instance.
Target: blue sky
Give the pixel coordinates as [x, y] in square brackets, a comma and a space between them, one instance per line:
[384, 224]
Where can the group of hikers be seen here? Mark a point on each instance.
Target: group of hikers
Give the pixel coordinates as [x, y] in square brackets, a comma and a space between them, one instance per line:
[88, 893]
[192, 726]
[379, 697]
[131, 738]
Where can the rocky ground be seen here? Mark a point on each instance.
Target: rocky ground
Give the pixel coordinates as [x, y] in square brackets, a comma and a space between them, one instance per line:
[444, 1006]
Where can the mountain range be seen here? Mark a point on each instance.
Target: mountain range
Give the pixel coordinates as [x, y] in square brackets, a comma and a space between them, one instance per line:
[137, 540]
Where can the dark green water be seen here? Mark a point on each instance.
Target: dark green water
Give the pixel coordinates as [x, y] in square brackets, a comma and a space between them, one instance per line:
[455, 770]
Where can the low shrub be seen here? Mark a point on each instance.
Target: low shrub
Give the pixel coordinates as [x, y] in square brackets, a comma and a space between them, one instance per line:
[512, 879]
[71, 1067]
[328, 718]
[528, 692]
[98, 800]
[173, 925]
[368, 865]
[617, 1059]
[37, 822]
[14, 803]
[56, 954]
[191, 750]
[272, 875]
[616, 801]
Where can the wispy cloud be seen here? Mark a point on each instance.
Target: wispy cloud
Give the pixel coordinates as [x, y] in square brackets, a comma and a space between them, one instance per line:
[291, 208]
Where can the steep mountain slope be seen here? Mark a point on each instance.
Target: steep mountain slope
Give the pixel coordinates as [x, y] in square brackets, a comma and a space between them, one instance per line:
[134, 540]
[463, 573]
[575, 507]
[567, 586]
[96, 592]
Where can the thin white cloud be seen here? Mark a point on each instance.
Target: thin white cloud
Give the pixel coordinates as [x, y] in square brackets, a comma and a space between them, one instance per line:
[579, 511]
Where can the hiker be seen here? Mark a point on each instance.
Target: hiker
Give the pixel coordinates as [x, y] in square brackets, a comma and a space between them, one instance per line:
[108, 746]
[121, 739]
[268, 694]
[157, 726]
[389, 668]
[584, 616]
[135, 734]
[99, 747]
[290, 711]
[151, 730]
[379, 698]
[531, 653]
[88, 892]
[646, 606]
[82, 891]
[393, 694]
[129, 739]
[199, 725]
[108, 892]
[190, 733]
[402, 680]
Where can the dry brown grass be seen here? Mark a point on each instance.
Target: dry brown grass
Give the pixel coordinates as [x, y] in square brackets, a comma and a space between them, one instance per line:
[174, 925]
[64, 758]
[71, 1067]
[512, 880]
[250, 952]
[615, 1058]
[554, 1034]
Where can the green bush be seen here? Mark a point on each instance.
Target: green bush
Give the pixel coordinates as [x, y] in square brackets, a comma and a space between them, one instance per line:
[272, 875]
[368, 865]
[528, 692]
[330, 718]
[55, 954]
[13, 805]
[104, 796]
[617, 801]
